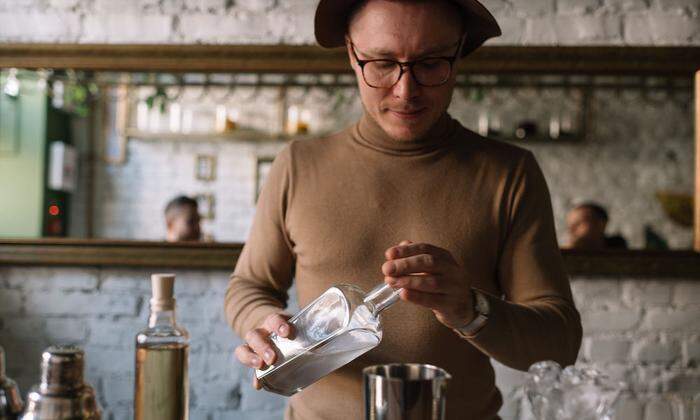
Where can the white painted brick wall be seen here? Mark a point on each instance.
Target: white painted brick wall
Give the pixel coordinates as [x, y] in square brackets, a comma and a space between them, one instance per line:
[655, 22]
[50, 26]
[617, 338]
[126, 28]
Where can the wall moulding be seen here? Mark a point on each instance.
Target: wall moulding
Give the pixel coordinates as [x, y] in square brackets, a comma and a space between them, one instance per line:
[216, 256]
[312, 59]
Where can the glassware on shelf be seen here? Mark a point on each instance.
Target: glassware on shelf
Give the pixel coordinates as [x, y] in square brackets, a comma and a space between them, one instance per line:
[232, 119]
[554, 127]
[187, 120]
[336, 328]
[221, 118]
[175, 117]
[483, 124]
[142, 116]
[304, 120]
[525, 130]
[162, 350]
[489, 125]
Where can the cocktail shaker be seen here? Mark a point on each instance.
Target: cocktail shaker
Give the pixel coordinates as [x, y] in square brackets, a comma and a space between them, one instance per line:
[10, 399]
[405, 391]
[62, 393]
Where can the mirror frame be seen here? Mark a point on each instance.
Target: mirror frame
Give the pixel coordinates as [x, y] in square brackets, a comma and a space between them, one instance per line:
[604, 60]
[223, 256]
[313, 59]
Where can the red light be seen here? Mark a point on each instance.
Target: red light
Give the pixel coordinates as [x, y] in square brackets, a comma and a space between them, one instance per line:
[54, 210]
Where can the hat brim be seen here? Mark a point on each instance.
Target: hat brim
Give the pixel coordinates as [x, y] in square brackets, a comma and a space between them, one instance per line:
[330, 23]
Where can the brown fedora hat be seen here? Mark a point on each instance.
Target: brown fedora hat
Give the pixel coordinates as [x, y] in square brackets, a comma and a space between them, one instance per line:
[332, 15]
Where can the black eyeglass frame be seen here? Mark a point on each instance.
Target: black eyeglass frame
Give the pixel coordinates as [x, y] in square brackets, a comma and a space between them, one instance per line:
[408, 64]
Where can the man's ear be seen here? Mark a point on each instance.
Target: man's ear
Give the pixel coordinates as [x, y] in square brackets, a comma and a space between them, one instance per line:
[348, 49]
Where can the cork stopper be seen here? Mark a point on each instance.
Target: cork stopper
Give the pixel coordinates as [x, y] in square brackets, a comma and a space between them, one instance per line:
[162, 288]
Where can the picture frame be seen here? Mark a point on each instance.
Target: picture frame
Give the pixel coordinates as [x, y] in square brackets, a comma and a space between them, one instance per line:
[205, 168]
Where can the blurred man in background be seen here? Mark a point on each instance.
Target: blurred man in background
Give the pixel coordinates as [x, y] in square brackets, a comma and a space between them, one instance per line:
[182, 220]
[586, 224]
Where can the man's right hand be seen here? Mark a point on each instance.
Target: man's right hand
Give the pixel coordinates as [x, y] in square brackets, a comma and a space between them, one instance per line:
[258, 351]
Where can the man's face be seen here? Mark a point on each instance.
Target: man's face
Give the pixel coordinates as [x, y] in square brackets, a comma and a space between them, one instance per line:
[184, 225]
[405, 31]
[585, 228]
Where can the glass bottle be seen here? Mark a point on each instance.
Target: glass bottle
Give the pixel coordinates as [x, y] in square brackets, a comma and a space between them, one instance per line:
[162, 350]
[10, 399]
[336, 328]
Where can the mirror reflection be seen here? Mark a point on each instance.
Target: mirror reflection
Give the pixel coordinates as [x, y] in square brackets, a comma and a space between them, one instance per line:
[182, 157]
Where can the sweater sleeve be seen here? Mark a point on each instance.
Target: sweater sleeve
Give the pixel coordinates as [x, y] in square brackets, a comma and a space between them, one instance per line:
[263, 274]
[536, 319]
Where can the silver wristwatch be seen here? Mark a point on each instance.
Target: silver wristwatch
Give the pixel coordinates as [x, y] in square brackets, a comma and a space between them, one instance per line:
[482, 310]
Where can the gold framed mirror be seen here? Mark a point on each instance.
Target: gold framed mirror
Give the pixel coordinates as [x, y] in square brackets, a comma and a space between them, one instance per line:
[631, 62]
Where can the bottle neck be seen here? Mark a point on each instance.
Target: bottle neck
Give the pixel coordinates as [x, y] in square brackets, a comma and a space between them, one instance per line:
[381, 297]
[161, 317]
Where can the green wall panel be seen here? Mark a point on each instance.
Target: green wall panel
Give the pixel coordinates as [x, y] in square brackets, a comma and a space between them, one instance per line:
[22, 156]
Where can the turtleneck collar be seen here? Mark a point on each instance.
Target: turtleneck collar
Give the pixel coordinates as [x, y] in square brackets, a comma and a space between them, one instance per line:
[368, 133]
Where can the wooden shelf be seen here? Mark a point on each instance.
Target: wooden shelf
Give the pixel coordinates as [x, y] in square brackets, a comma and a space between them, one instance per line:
[223, 256]
[233, 136]
[313, 59]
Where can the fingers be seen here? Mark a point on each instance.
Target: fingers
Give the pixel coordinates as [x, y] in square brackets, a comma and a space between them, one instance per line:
[408, 248]
[246, 356]
[256, 383]
[277, 323]
[425, 283]
[258, 340]
[423, 263]
[388, 254]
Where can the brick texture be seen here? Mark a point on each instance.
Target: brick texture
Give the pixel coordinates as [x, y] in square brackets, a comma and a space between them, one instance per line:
[641, 331]
[657, 22]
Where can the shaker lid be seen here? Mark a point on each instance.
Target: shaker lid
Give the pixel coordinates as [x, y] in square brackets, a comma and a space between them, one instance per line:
[162, 289]
[62, 369]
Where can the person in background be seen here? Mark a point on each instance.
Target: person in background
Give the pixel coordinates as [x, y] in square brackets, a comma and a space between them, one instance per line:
[182, 220]
[586, 224]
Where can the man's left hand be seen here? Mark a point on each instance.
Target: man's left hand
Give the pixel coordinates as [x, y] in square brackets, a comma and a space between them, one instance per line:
[430, 277]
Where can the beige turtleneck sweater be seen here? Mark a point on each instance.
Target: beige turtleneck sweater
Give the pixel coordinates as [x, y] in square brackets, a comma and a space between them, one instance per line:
[330, 208]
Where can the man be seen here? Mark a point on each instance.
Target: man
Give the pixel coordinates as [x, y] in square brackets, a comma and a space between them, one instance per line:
[586, 225]
[410, 197]
[182, 220]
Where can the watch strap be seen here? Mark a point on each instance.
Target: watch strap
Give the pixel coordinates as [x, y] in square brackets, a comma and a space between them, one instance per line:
[481, 309]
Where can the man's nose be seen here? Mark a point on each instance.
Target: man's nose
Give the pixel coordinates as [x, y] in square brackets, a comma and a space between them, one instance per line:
[406, 88]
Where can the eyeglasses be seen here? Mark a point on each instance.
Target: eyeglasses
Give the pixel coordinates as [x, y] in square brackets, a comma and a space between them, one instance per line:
[427, 72]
